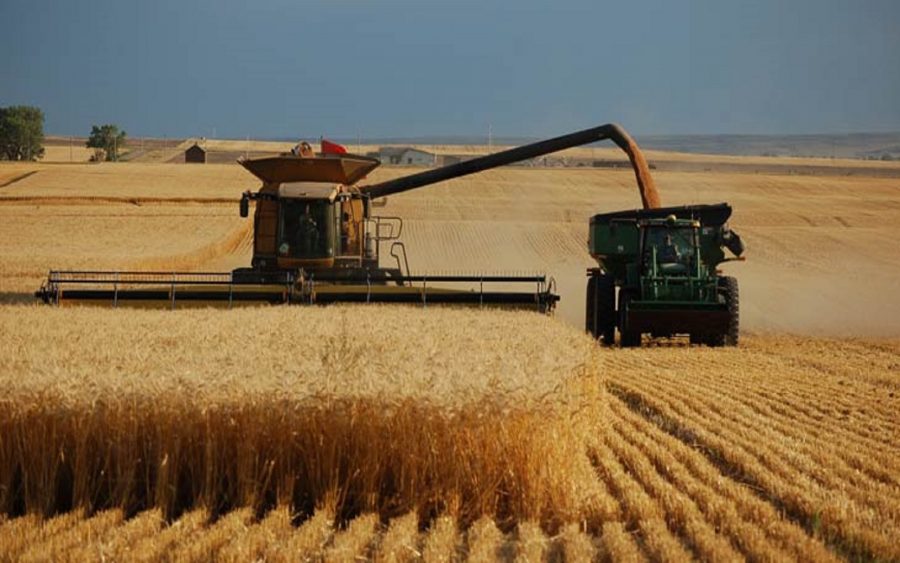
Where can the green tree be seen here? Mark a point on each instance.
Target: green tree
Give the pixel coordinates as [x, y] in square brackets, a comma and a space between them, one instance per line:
[107, 138]
[21, 133]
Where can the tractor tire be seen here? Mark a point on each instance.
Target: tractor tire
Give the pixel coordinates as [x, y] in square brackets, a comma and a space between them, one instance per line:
[589, 306]
[600, 308]
[728, 287]
[627, 338]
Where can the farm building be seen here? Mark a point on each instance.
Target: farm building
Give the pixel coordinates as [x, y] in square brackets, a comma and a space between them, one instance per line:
[448, 159]
[405, 156]
[195, 153]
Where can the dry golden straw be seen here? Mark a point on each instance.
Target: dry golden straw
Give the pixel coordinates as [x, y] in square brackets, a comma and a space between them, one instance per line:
[381, 409]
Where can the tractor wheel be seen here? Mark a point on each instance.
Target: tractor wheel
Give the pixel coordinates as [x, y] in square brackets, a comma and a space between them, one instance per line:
[600, 308]
[627, 338]
[728, 287]
[589, 306]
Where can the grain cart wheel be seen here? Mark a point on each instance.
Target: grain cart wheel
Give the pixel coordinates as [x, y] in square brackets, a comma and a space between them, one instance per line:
[628, 338]
[600, 308]
[728, 287]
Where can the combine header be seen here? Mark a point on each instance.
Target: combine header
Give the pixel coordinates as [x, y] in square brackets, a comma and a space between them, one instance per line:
[316, 240]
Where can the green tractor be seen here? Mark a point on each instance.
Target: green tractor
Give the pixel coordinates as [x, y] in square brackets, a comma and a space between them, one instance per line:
[663, 261]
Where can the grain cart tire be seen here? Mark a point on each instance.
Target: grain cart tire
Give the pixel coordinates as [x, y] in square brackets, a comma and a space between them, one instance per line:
[600, 308]
[728, 287]
[627, 338]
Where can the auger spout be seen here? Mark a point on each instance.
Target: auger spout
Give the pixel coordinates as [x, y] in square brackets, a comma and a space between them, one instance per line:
[649, 196]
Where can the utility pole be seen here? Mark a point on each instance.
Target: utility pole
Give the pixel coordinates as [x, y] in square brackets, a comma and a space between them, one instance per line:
[490, 137]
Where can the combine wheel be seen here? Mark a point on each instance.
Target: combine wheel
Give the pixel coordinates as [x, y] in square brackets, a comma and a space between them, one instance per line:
[728, 287]
[600, 308]
[628, 338]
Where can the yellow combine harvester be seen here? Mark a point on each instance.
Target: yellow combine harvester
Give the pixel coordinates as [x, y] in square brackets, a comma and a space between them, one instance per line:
[316, 240]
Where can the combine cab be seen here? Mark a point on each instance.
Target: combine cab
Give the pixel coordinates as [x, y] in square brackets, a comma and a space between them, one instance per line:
[663, 261]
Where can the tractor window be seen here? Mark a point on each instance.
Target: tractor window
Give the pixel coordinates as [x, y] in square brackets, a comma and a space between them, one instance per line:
[306, 229]
[674, 245]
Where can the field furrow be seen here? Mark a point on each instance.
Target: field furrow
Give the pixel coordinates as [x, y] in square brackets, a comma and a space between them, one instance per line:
[848, 527]
[827, 460]
[640, 509]
[681, 512]
[820, 459]
[753, 525]
[821, 410]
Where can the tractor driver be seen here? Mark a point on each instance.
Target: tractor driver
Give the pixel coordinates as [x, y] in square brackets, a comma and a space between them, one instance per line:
[307, 236]
[669, 252]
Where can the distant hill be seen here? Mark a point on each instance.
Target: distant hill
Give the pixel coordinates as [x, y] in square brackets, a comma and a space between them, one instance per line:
[852, 145]
[855, 145]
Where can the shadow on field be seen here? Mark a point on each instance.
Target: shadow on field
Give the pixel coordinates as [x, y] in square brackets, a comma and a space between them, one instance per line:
[18, 298]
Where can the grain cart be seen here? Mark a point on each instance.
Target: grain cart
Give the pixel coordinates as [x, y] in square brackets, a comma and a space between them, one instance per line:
[663, 262]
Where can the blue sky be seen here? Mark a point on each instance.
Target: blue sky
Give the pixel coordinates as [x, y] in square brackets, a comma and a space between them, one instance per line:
[418, 68]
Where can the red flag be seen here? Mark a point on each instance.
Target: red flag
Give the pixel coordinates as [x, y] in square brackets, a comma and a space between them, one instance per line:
[332, 148]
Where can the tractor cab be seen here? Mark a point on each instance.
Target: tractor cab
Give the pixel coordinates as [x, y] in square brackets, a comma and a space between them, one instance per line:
[670, 247]
[671, 262]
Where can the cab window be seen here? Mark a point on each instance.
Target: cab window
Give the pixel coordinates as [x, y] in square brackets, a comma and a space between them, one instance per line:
[673, 245]
[305, 229]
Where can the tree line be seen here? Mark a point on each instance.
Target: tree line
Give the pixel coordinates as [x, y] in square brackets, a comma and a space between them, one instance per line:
[22, 136]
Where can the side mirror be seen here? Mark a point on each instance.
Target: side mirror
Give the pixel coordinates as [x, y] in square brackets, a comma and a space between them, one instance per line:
[245, 205]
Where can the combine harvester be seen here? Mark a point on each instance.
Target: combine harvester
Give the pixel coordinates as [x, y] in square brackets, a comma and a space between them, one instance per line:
[316, 241]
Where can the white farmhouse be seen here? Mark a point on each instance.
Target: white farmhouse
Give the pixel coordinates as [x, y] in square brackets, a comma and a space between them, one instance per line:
[405, 156]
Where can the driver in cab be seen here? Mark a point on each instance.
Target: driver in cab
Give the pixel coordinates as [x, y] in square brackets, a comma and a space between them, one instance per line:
[669, 253]
[307, 236]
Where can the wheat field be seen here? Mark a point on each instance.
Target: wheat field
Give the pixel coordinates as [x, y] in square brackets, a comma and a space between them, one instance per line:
[785, 448]
[153, 435]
